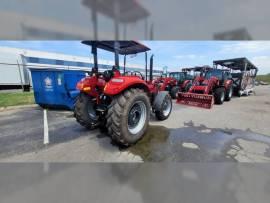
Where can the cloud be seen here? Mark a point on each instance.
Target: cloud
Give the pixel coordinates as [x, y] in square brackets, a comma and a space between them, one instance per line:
[246, 47]
[263, 63]
[189, 56]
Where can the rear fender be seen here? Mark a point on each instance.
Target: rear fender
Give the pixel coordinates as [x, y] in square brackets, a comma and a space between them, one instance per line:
[119, 84]
[89, 85]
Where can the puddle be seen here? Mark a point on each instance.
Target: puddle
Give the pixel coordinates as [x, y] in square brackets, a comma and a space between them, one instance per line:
[200, 144]
[148, 148]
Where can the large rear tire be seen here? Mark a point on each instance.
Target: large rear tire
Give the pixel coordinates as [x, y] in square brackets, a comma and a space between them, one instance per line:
[85, 112]
[219, 95]
[174, 92]
[128, 116]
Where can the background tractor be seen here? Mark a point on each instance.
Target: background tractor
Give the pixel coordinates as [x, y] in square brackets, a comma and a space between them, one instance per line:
[243, 74]
[166, 83]
[185, 79]
[120, 103]
[213, 86]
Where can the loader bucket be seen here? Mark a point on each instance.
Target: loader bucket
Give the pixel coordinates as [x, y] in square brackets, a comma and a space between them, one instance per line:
[198, 100]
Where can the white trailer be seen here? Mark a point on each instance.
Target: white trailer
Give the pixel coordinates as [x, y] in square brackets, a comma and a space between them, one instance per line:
[15, 64]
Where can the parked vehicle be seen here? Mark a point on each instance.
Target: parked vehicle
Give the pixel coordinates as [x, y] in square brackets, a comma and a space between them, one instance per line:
[169, 84]
[120, 103]
[185, 78]
[243, 74]
[214, 86]
[184, 81]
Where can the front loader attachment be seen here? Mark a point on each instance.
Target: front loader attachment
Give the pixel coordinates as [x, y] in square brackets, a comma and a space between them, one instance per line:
[198, 100]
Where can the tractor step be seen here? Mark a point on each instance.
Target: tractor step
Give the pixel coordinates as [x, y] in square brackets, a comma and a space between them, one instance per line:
[198, 100]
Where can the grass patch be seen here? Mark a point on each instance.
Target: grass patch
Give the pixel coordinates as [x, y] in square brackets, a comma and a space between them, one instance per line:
[264, 78]
[16, 98]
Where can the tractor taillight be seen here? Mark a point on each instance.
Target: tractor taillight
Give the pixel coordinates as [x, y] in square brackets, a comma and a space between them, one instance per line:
[86, 88]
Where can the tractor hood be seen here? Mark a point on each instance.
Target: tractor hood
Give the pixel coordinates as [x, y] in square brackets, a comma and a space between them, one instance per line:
[118, 84]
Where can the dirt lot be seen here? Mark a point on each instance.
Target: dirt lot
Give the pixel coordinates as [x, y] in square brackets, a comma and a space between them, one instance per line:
[238, 130]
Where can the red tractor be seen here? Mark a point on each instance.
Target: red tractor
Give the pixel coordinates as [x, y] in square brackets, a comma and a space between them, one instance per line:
[185, 79]
[165, 83]
[120, 103]
[213, 86]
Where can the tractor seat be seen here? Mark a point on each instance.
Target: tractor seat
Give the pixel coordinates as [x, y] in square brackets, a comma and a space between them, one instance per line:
[116, 72]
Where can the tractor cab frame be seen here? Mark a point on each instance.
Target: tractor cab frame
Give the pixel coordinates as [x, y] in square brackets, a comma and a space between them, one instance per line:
[243, 74]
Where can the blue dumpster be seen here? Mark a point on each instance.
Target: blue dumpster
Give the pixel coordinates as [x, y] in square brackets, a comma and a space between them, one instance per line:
[56, 88]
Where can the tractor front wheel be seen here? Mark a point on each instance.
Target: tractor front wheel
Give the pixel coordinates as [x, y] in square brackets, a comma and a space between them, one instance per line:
[128, 116]
[166, 108]
[85, 112]
[219, 95]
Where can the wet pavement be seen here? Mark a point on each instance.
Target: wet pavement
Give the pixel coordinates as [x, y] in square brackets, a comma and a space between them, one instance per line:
[202, 144]
[190, 143]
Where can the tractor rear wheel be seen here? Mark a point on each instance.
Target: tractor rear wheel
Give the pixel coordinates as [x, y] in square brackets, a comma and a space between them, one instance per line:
[174, 92]
[229, 93]
[219, 95]
[85, 112]
[128, 116]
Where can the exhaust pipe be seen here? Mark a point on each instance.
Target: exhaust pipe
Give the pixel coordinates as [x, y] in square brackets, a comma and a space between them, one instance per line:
[151, 68]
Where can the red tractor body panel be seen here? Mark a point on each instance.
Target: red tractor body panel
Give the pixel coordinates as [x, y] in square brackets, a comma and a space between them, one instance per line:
[89, 85]
[118, 84]
[165, 83]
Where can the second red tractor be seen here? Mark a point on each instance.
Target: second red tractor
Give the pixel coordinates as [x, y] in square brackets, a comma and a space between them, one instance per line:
[213, 86]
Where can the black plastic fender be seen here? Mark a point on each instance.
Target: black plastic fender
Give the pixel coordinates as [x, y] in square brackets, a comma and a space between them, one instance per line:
[159, 98]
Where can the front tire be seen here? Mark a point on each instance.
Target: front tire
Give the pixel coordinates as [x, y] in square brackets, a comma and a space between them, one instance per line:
[85, 112]
[128, 116]
[166, 108]
[229, 93]
[219, 95]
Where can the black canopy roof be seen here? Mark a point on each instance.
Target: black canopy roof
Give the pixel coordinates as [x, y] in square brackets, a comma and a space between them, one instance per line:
[197, 68]
[125, 47]
[236, 64]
